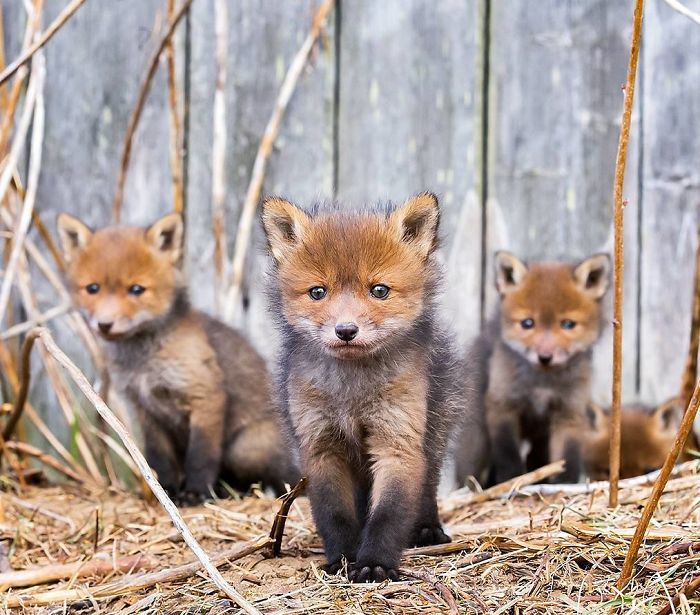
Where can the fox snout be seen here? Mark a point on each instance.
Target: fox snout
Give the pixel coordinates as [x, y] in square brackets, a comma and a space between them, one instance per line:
[346, 331]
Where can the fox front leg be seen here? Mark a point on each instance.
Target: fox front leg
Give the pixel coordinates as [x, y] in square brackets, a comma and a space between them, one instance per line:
[204, 447]
[504, 436]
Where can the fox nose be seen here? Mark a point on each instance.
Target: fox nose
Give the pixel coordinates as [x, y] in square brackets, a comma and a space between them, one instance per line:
[545, 359]
[346, 331]
[104, 327]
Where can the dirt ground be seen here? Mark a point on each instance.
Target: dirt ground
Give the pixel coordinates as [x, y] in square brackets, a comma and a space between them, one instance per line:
[521, 554]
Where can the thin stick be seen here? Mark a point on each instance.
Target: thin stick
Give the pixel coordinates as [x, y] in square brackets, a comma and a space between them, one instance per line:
[42, 428]
[138, 108]
[175, 130]
[687, 590]
[618, 221]
[38, 510]
[604, 485]
[82, 382]
[43, 318]
[9, 112]
[684, 10]
[505, 489]
[27, 449]
[10, 163]
[277, 531]
[690, 373]
[55, 26]
[218, 156]
[659, 485]
[133, 583]
[252, 196]
[101, 566]
[24, 387]
[25, 218]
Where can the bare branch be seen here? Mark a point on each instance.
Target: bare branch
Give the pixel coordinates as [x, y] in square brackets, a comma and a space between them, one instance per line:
[252, 197]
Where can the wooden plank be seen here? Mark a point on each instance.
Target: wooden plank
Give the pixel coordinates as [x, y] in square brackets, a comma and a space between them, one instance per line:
[409, 121]
[671, 194]
[264, 35]
[554, 111]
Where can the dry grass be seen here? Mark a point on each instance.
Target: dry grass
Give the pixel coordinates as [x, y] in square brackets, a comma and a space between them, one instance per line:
[534, 554]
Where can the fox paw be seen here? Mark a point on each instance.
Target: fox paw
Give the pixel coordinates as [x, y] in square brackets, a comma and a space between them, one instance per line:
[190, 498]
[332, 568]
[427, 535]
[368, 572]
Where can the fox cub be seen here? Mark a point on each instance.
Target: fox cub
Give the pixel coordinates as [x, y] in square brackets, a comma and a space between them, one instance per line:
[370, 382]
[535, 355]
[647, 435]
[200, 390]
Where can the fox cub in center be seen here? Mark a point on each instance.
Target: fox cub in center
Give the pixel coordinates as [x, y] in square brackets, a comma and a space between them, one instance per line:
[199, 389]
[369, 381]
[535, 355]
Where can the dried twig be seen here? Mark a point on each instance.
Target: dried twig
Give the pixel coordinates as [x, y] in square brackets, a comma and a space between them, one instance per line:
[138, 108]
[684, 10]
[620, 163]
[55, 26]
[690, 373]
[55, 572]
[245, 223]
[21, 399]
[27, 449]
[133, 583]
[175, 127]
[43, 318]
[81, 381]
[218, 156]
[507, 488]
[31, 107]
[10, 372]
[659, 485]
[277, 531]
[687, 590]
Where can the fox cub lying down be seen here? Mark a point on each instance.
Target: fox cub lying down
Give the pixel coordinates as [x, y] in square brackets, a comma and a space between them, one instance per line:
[370, 384]
[647, 437]
[200, 390]
[533, 363]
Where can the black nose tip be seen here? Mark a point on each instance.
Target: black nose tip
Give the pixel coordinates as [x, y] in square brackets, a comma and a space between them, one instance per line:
[346, 331]
[545, 359]
[104, 327]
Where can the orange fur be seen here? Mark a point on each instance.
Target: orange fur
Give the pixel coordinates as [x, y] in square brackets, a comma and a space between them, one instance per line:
[199, 389]
[550, 294]
[647, 437]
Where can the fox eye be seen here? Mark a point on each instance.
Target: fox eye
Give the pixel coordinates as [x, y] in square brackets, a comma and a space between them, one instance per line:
[136, 289]
[527, 323]
[379, 291]
[567, 323]
[92, 289]
[317, 293]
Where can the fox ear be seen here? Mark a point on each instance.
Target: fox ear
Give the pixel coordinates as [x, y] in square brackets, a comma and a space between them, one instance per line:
[668, 416]
[596, 417]
[73, 234]
[510, 271]
[166, 236]
[417, 222]
[284, 225]
[593, 275]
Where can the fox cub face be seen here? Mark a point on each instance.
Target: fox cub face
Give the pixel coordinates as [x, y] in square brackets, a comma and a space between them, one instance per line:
[551, 311]
[647, 437]
[352, 281]
[123, 278]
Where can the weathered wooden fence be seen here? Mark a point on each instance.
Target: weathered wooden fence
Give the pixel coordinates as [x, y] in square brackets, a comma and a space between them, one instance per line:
[508, 109]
